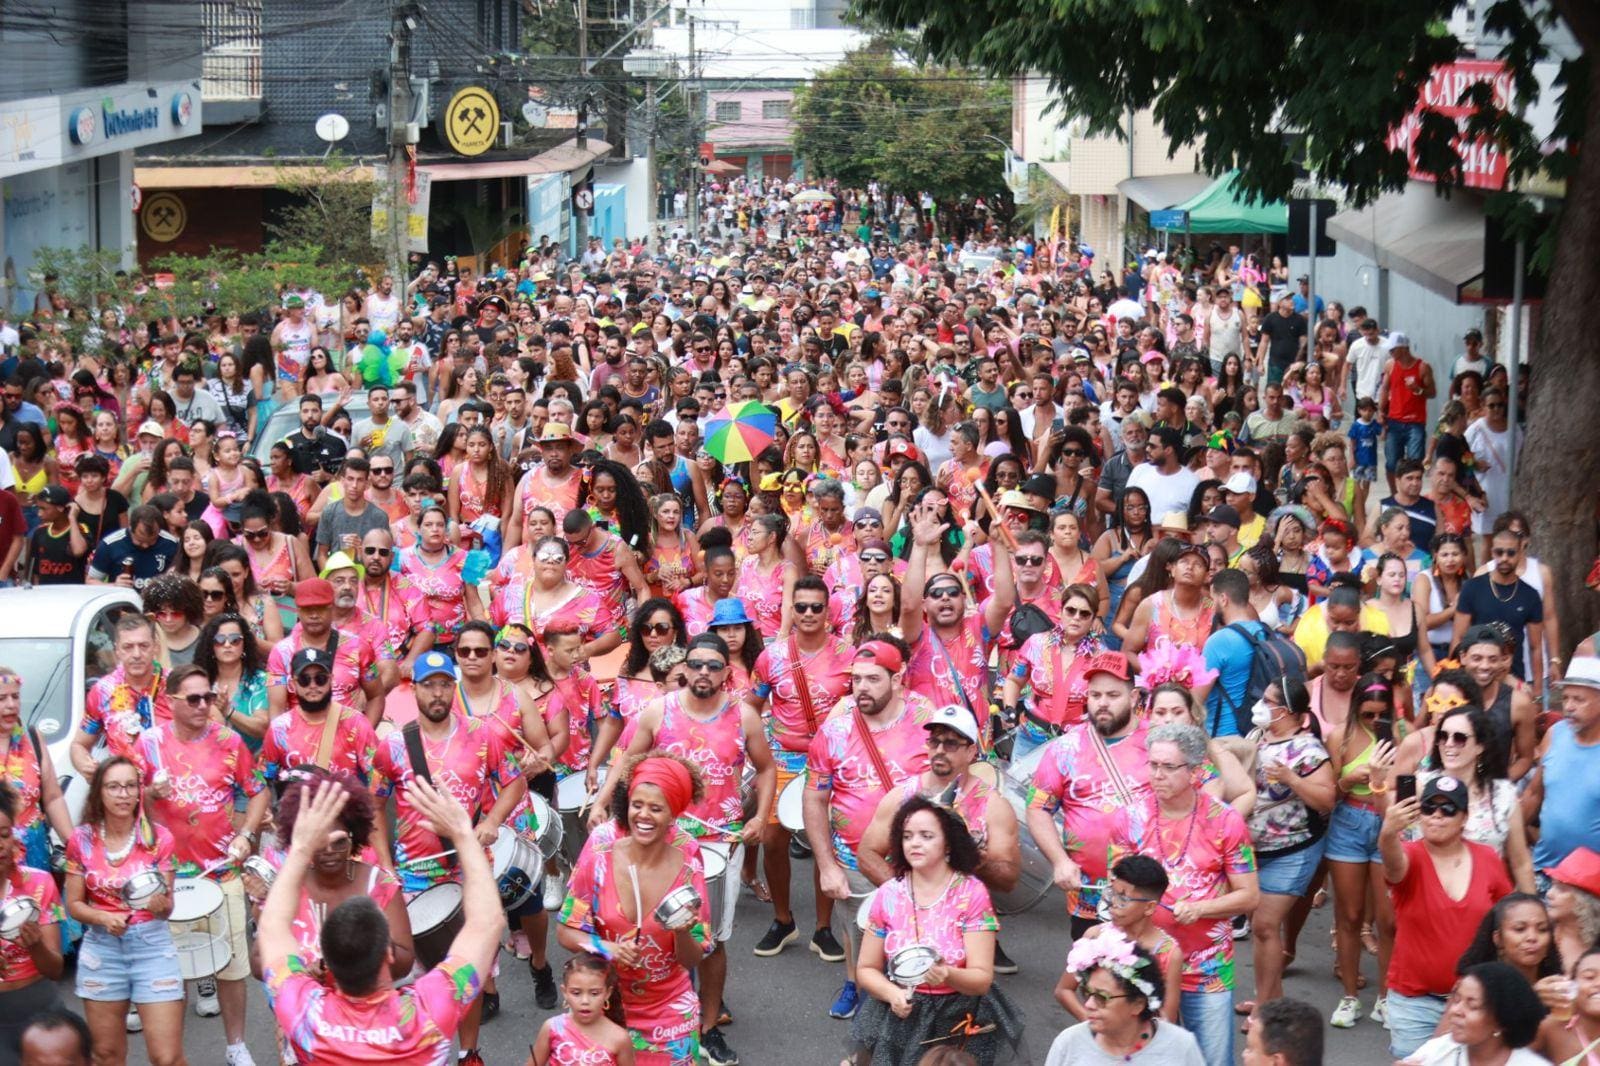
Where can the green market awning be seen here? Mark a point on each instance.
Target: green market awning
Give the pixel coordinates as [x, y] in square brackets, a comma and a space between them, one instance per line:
[1220, 209]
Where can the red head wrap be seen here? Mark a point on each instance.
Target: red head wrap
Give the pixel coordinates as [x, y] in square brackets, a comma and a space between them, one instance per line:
[670, 776]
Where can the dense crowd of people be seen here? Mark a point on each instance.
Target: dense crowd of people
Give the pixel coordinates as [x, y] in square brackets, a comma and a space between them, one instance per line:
[973, 574]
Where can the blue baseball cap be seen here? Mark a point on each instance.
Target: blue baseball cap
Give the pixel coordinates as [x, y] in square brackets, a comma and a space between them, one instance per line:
[729, 612]
[431, 664]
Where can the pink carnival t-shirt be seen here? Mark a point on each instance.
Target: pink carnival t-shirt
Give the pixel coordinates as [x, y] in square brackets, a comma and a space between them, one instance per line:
[839, 763]
[826, 672]
[936, 663]
[1072, 779]
[206, 775]
[354, 662]
[577, 697]
[717, 749]
[964, 908]
[102, 882]
[16, 962]
[1198, 853]
[292, 741]
[465, 763]
[410, 1026]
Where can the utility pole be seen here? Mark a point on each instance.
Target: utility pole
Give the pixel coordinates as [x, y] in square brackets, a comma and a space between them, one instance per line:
[400, 105]
[693, 189]
[580, 217]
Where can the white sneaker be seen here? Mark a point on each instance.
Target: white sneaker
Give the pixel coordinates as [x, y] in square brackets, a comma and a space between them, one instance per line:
[239, 1055]
[206, 1004]
[134, 1023]
[1380, 1011]
[1347, 1013]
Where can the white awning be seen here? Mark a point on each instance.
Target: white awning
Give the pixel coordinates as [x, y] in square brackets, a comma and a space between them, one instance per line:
[1161, 191]
[1433, 241]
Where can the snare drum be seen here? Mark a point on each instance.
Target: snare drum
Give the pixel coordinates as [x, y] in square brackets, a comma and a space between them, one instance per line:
[200, 930]
[436, 918]
[15, 913]
[258, 875]
[985, 772]
[517, 865]
[143, 887]
[573, 801]
[1036, 877]
[715, 859]
[547, 830]
[791, 804]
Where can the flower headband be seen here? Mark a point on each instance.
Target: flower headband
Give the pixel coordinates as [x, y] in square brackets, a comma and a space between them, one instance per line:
[1112, 951]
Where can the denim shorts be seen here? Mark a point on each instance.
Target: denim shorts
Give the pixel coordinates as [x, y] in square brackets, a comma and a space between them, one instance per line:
[1353, 834]
[1291, 874]
[140, 966]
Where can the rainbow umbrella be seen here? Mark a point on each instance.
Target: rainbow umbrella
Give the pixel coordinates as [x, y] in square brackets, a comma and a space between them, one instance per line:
[738, 432]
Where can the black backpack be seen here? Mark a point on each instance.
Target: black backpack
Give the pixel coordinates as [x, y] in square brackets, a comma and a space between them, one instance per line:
[1273, 657]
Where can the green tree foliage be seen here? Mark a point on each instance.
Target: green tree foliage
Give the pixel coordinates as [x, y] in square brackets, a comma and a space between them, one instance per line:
[333, 212]
[1266, 86]
[912, 129]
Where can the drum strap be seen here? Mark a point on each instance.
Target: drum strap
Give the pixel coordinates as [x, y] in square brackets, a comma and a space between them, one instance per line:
[801, 686]
[872, 751]
[419, 768]
[1113, 771]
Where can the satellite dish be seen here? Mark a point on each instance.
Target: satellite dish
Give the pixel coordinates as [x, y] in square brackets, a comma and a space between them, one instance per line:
[333, 127]
[535, 114]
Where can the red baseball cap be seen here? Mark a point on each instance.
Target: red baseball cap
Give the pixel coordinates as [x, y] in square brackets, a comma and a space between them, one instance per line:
[1109, 662]
[313, 592]
[1580, 869]
[881, 653]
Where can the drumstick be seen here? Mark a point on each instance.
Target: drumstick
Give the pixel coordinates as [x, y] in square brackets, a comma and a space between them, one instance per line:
[638, 902]
[994, 511]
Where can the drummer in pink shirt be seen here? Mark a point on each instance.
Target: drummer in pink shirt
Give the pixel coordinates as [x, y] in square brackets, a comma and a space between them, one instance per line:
[194, 767]
[1084, 776]
[873, 740]
[363, 1019]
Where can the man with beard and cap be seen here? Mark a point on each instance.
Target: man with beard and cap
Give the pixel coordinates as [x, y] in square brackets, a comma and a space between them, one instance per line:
[1084, 776]
[316, 730]
[949, 647]
[395, 605]
[953, 746]
[350, 616]
[720, 737]
[468, 758]
[555, 483]
[874, 740]
[355, 661]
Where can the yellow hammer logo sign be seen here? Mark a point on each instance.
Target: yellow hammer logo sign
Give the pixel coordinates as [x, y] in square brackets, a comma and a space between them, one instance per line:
[471, 121]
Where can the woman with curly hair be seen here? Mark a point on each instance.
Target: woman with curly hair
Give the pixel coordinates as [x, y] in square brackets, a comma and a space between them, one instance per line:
[934, 901]
[340, 870]
[616, 499]
[174, 603]
[626, 869]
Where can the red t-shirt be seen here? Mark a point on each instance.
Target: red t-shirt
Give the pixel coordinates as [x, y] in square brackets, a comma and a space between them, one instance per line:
[1432, 930]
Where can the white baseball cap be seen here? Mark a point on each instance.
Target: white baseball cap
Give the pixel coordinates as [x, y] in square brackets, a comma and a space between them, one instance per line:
[1240, 482]
[954, 716]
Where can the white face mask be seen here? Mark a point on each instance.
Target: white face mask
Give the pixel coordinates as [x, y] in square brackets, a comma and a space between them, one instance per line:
[1261, 714]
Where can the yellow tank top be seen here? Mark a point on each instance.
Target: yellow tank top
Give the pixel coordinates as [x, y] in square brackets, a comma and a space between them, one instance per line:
[30, 486]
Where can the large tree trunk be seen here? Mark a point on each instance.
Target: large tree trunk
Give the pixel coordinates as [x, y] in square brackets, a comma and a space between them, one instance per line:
[1557, 480]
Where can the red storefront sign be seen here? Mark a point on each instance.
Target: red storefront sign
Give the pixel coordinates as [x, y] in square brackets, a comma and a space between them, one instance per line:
[1483, 163]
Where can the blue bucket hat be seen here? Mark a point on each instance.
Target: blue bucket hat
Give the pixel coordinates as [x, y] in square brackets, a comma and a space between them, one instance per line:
[729, 612]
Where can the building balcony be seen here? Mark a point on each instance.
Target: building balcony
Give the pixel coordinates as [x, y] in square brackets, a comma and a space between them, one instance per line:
[232, 63]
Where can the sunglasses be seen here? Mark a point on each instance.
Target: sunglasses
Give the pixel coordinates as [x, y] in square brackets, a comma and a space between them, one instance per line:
[166, 612]
[257, 534]
[313, 678]
[1102, 999]
[378, 552]
[810, 608]
[517, 647]
[213, 594]
[874, 557]
[704, 666]
[1454, 738]
[1444, 807]
[549, 557]
[1077, 612]
[227, 640]
[196, 700]
[1073, 453]
[945, 592]
[382, 470]
[948, 743]
[1029, 560]
[472, 653]
[656, 629]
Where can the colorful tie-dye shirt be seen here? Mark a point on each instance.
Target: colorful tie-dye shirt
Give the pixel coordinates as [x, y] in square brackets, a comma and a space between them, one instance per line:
[117, 710]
